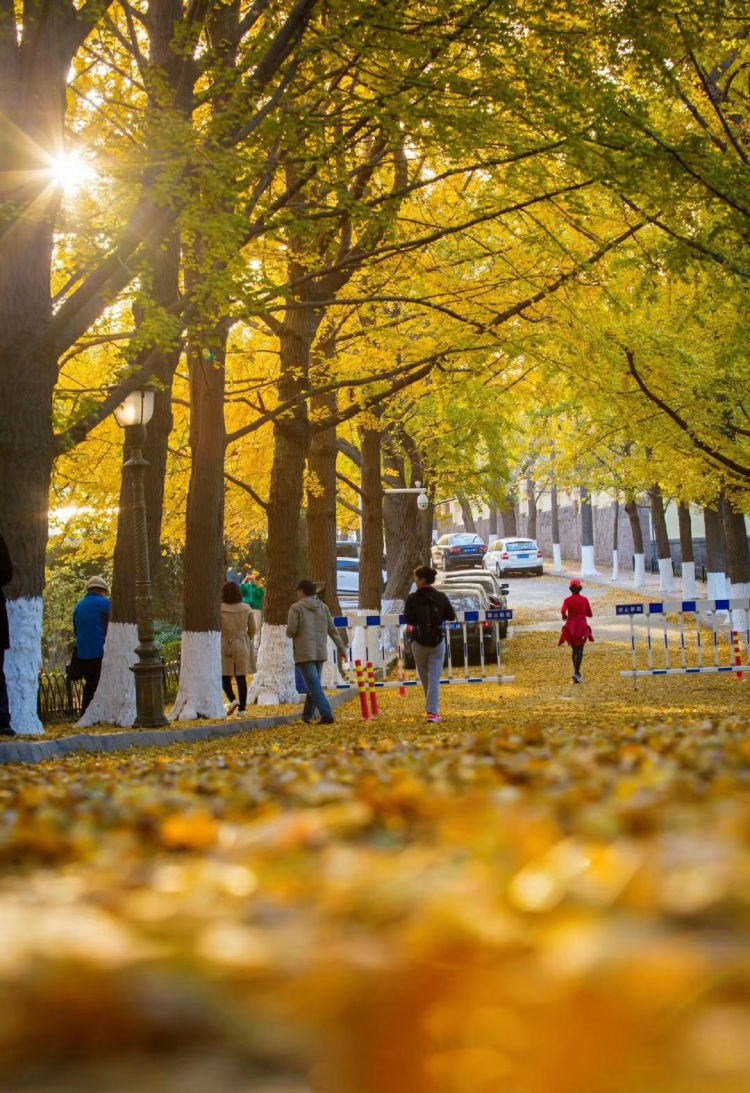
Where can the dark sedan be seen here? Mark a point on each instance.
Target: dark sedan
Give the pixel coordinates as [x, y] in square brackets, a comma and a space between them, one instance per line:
[465, 599]
[458, 550]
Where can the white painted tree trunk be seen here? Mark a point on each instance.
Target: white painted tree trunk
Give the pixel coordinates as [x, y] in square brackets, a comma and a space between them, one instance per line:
[392, 607]
[588, 569]
[740, 621]
[274, 680]
[22, 664]
[199, 693]
[666, 575]
[689, 585]
[556, 558]
[717, 585]
[364, 640]
[615, 566]
[639, 570]
[114, 701]
[331, 674]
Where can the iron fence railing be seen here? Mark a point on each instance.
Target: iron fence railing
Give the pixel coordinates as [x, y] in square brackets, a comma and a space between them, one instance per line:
[60, 700]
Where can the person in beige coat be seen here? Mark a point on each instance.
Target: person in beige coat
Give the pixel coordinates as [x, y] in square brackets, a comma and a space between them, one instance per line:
[237, 656]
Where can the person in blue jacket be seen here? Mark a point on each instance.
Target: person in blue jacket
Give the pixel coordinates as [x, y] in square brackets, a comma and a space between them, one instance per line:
[90, 621]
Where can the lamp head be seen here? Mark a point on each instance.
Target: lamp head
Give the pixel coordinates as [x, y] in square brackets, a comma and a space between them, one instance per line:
[422, 501]
[136, 409]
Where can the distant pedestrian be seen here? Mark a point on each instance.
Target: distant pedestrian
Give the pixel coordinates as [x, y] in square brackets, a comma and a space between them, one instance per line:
[90, 622]
[237, 655]
[424, 613]
[6, 572]
[233, 575]
[576, 631]
[253, 594]
[309, 625]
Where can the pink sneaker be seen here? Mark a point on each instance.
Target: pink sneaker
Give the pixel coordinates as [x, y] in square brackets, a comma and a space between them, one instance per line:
[434, 718]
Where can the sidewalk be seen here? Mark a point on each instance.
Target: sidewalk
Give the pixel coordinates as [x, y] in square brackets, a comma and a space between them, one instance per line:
[651, 590]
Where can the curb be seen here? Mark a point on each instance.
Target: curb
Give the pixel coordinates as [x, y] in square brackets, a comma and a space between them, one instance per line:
[24, 751]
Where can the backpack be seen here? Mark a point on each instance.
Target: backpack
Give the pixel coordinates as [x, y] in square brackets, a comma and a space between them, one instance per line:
[428, 630]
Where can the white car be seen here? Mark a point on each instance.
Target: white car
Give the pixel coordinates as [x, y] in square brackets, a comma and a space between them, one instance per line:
[347, 575]
[508, 555]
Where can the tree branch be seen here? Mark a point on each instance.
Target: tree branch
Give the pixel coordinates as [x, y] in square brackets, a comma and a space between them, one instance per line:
[248, 489]
[712, 453]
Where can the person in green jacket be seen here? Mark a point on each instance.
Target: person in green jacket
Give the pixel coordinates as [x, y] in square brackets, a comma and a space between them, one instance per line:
[253, 594]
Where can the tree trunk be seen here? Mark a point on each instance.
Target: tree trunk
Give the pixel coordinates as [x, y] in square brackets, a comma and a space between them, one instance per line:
[33, 76]
[371, 557]
[466, 514]
[738, 563]
[588, 568]
[639, 560]
[403, 543]
[615, 537]
[321, 504]
[555, 519]
[532, 516]
[663, 553]
[403, 533]
[716, 576]
[199, 693]
[508, 513]
[689, 588]
[114, 702]
[492, 523]
[274, 679]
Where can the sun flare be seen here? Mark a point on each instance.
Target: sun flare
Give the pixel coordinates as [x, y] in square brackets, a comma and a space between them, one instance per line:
[70, 172]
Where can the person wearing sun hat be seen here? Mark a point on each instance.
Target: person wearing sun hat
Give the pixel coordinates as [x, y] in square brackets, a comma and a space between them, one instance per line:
[90, 621]
[576, 631]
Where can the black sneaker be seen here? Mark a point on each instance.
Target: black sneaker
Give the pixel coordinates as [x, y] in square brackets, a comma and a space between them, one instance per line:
[6, 730]
[327, 720]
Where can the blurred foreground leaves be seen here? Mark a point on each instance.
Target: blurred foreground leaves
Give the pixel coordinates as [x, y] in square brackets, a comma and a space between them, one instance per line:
[550, 894]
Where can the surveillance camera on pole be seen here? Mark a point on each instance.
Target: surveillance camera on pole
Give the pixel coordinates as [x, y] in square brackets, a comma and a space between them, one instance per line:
[423, 501]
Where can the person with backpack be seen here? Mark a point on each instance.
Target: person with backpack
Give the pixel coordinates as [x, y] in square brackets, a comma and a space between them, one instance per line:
[576, 631]
[425, 611]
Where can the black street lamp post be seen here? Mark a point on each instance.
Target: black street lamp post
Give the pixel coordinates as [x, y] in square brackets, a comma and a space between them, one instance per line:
[133, 415]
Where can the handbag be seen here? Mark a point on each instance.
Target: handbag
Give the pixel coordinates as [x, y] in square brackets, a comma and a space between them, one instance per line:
[74, 670]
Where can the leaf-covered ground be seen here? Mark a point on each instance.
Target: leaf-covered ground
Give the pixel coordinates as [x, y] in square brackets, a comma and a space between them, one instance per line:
[548, 893]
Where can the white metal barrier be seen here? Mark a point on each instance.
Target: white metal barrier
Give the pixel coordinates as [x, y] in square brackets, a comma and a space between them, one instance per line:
[705, 613]
[464, 620]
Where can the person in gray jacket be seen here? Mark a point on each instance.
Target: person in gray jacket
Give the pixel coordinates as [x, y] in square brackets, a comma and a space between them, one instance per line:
[309, 625]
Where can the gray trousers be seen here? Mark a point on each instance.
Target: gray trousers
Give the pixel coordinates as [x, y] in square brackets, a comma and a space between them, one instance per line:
[429, 662]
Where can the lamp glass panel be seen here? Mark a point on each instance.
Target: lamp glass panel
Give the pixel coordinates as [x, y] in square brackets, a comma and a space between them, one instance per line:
[136, 409]
[147, 411]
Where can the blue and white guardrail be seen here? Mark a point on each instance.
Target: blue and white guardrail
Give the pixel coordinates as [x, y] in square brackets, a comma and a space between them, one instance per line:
[489, 671]
[704, 613]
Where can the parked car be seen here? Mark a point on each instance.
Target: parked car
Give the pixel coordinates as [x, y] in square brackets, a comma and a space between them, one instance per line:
[508, 555]
[347, 576]
[497, 592]
[473, 579]
[466, 599]
[348, 548]
[457, 550]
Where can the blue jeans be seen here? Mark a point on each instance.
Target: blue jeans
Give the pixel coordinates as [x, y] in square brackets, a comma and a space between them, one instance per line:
[316, 698]
[429, 661]
[4, 708]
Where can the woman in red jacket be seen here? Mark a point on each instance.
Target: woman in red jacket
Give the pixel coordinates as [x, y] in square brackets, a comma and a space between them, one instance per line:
[576, 609]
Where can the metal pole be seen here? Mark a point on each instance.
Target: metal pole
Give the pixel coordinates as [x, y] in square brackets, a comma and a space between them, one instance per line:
[149, 671]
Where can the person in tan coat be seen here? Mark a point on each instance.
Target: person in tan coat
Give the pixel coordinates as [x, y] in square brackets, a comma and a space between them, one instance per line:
[237, 656]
